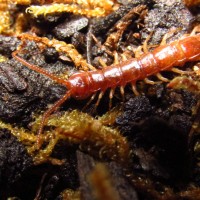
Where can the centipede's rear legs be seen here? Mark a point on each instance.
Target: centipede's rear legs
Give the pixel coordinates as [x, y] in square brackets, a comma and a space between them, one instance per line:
[145, 48]
[164, 42]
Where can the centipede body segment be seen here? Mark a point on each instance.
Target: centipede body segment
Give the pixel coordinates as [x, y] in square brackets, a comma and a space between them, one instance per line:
[83, 84]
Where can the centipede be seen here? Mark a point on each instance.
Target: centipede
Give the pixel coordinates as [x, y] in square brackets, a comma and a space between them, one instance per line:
[82, 85]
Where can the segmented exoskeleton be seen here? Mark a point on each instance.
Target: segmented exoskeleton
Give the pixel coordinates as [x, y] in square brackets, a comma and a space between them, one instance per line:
[84, 84]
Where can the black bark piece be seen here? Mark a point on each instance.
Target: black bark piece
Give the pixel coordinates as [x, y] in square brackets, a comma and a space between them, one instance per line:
[135, 110]
[23, 90]
[86, 164]
[10, 79]
[155, 124]
[165, 16]
[51, 55]
[60, 178]
[123, 186]
[157, 128]
[14, 161]
[163, 150]
[69, 27]
[79, 41]
[39, 89]
[8, 45]
[46, 181]
[100, 26]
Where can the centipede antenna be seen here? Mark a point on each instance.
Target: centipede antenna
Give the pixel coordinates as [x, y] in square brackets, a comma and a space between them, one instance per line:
[37, 68]
[134, 89]
[162, 78]
[46, 115]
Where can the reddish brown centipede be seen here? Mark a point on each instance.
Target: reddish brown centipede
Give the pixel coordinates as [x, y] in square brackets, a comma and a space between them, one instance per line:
[84, 84]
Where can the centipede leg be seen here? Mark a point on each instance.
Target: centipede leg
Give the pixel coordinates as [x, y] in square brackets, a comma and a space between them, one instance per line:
[99, 98]
[122, 92]
[168, 35]
[102, 63]
[116, 58]
[196, 69]
[89, 102]
[138, 52]
[164, 39]
[162, 78]
[179, 71]
[134, 89]
[195, 30]
[145, 45]
[112, 91]
[150, 82]
[102, 47]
